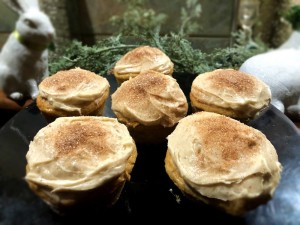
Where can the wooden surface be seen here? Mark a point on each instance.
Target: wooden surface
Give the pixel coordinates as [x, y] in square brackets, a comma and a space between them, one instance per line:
[298, 124]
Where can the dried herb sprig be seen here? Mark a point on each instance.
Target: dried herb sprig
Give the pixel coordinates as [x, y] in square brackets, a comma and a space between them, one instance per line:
[101, 57]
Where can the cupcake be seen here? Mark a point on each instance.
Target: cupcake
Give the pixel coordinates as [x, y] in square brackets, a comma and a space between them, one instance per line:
[141, 59]
[231, 93]
[79, 161]
[219, 161]
[150, 105]
[74, 92]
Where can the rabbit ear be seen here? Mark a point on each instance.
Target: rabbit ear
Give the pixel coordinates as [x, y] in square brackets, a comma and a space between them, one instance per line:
[26, 4]
[21, 6]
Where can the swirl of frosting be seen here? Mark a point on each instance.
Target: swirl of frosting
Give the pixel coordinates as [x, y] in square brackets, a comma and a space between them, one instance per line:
[78, 153]
[150, 98]
[144, 58]
[221, 158]
[73, 89]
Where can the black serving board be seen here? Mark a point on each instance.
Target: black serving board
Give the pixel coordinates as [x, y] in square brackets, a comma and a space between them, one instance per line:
[150, 196]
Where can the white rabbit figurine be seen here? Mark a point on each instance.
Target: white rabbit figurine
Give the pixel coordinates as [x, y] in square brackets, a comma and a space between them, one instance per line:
[280, 69]
[24, 56]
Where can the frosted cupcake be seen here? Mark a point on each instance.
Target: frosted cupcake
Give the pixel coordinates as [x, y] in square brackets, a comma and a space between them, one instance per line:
[231, 93]
[219, 161]
[79, 161]
[141, 59]
[74, 92]
[150, 105]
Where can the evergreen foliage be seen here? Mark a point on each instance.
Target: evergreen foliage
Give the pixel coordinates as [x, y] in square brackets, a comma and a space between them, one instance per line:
[293, 16]
[101, 57]
[139, 26]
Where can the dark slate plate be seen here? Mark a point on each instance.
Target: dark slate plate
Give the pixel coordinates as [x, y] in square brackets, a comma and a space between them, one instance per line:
[150, 195]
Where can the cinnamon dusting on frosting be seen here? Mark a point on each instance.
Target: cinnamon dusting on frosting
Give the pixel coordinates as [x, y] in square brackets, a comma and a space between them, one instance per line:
[69, 79]
[238, 81]
[232, 142]
[138, 89]
[141, 52]
[150, 98]
[76, 136]
[141, 59]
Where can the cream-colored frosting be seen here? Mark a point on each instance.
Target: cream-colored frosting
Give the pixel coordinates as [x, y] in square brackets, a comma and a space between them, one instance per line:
[144, 58]
[72, 89]
[231, 89]
[150, 99]
[219, 157]
[78, 153]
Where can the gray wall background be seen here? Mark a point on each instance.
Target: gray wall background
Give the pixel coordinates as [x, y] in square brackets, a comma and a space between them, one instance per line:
[88, 20]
